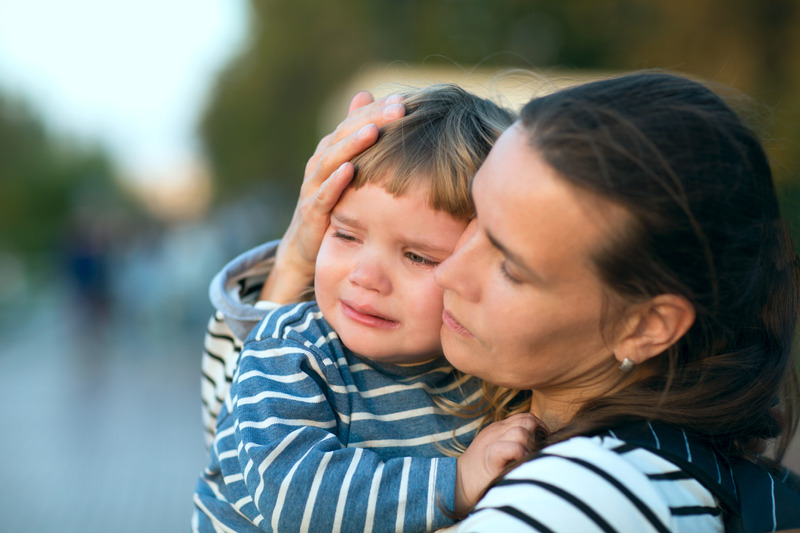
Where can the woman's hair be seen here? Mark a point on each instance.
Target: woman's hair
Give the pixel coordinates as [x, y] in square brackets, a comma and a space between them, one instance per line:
[703, 223]
[440, 143]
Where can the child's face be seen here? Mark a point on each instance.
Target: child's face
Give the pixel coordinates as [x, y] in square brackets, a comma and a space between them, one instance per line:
[374, 273]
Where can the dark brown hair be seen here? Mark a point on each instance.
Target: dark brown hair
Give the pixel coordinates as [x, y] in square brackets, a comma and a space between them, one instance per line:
[704, 224]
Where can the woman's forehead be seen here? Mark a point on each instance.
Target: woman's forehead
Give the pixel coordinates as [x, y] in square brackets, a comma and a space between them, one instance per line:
[534, 215]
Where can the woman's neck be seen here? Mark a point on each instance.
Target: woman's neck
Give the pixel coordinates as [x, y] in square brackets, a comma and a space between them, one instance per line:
[554, 413]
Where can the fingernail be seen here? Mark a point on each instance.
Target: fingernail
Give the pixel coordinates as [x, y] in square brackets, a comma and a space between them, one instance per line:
[394, 110]
[364, 131]
[394, 99]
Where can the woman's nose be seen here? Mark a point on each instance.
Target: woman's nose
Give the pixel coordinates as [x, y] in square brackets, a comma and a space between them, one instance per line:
[457, 272]
[369, 273]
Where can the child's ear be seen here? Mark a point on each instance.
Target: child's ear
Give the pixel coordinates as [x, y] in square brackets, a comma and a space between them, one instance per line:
[653, 327]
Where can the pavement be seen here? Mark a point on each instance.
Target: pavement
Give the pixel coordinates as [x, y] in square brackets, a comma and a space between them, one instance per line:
[101, 433]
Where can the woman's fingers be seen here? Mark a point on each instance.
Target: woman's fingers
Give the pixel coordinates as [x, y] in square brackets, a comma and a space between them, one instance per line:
[358, 131]
[360, 99]
[329, 192]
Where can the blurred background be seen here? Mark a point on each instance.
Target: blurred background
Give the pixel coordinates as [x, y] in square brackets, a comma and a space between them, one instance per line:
[143, 144]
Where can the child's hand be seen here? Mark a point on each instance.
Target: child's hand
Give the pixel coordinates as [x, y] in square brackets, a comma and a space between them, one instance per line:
[496, 446]
[327, 174]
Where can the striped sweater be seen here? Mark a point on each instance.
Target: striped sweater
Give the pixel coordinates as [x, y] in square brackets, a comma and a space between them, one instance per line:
[313, 438]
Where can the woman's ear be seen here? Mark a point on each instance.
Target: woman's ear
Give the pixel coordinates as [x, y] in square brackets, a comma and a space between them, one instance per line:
[653, 327]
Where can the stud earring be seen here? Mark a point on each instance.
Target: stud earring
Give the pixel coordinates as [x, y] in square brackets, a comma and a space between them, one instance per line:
[627, 365]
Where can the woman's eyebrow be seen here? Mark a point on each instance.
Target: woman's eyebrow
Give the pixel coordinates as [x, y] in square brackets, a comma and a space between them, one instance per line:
[514, 258]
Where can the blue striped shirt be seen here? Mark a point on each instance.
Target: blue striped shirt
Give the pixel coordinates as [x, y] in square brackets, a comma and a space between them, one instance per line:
[313, 437]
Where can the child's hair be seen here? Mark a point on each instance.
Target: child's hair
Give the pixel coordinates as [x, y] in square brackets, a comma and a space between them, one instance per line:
[440, 143]
[444, 137]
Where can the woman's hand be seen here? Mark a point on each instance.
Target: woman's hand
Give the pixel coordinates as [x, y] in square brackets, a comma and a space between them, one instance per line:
[494, 448]
[327, 174]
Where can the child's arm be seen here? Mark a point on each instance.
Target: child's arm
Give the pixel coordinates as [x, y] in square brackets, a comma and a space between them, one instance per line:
[494, 448]
[282, 457]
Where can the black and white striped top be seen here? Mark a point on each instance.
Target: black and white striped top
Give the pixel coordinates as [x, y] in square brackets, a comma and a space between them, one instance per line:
[596, 484]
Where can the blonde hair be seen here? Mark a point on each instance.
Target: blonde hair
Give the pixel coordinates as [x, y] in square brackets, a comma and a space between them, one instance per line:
[444, 137]
[440, 143]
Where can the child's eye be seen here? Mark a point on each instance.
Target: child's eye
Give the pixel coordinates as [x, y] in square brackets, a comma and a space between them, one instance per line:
[506, 274]
[415, 258]
[343, 236]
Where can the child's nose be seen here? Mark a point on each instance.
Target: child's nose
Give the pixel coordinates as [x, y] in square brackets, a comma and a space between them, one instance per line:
[369, 273]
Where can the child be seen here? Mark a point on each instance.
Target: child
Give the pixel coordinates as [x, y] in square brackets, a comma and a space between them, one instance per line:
[337, 417]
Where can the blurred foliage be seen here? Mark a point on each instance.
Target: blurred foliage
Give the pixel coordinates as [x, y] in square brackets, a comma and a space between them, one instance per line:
[261, 123]
[44, 180]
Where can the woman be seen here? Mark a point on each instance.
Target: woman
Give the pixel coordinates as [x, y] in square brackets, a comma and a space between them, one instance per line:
[638, 270]
[629, 271]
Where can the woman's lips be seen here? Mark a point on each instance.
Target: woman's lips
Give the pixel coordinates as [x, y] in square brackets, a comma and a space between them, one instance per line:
[367, 317]
[455, 325]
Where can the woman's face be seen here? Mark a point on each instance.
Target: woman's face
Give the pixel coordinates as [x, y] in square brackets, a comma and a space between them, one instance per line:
[522, 301]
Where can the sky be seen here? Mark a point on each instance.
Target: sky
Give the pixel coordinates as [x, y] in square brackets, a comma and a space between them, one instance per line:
[133, 76]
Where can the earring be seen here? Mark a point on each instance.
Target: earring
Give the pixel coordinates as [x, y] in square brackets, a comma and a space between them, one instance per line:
[627, 365]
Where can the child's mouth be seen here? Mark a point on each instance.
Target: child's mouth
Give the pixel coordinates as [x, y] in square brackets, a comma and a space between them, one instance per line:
[367, 316]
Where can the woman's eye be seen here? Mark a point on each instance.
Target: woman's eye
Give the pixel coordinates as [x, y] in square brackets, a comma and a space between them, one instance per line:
[415, 258]
[507, 274]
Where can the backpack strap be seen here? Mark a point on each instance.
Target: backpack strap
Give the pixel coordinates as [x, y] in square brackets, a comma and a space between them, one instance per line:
[754, 496]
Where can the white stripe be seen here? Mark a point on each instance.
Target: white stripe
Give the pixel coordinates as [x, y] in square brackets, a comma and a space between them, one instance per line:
[291, 378]
[417, 441]
[287, 422]
[392, 417]
[431, 494]
[312, 496]
[348, 477]
[688, 451]
[287, 440]
[403, 496]
[225, 433]
[653, 431]
[279, 325]
[772, 495]
[304, 325]
[325, 340]
[279, 352]
[218, 526]
[233, 478]
[373, 498]
[242, 502]
[214, 488]
[260, 331]
[227, 455]
[284, 488]
[271, 353]
[249, 400]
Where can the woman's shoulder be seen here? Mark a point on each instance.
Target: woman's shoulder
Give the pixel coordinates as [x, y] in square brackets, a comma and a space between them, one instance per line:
[592, 484]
